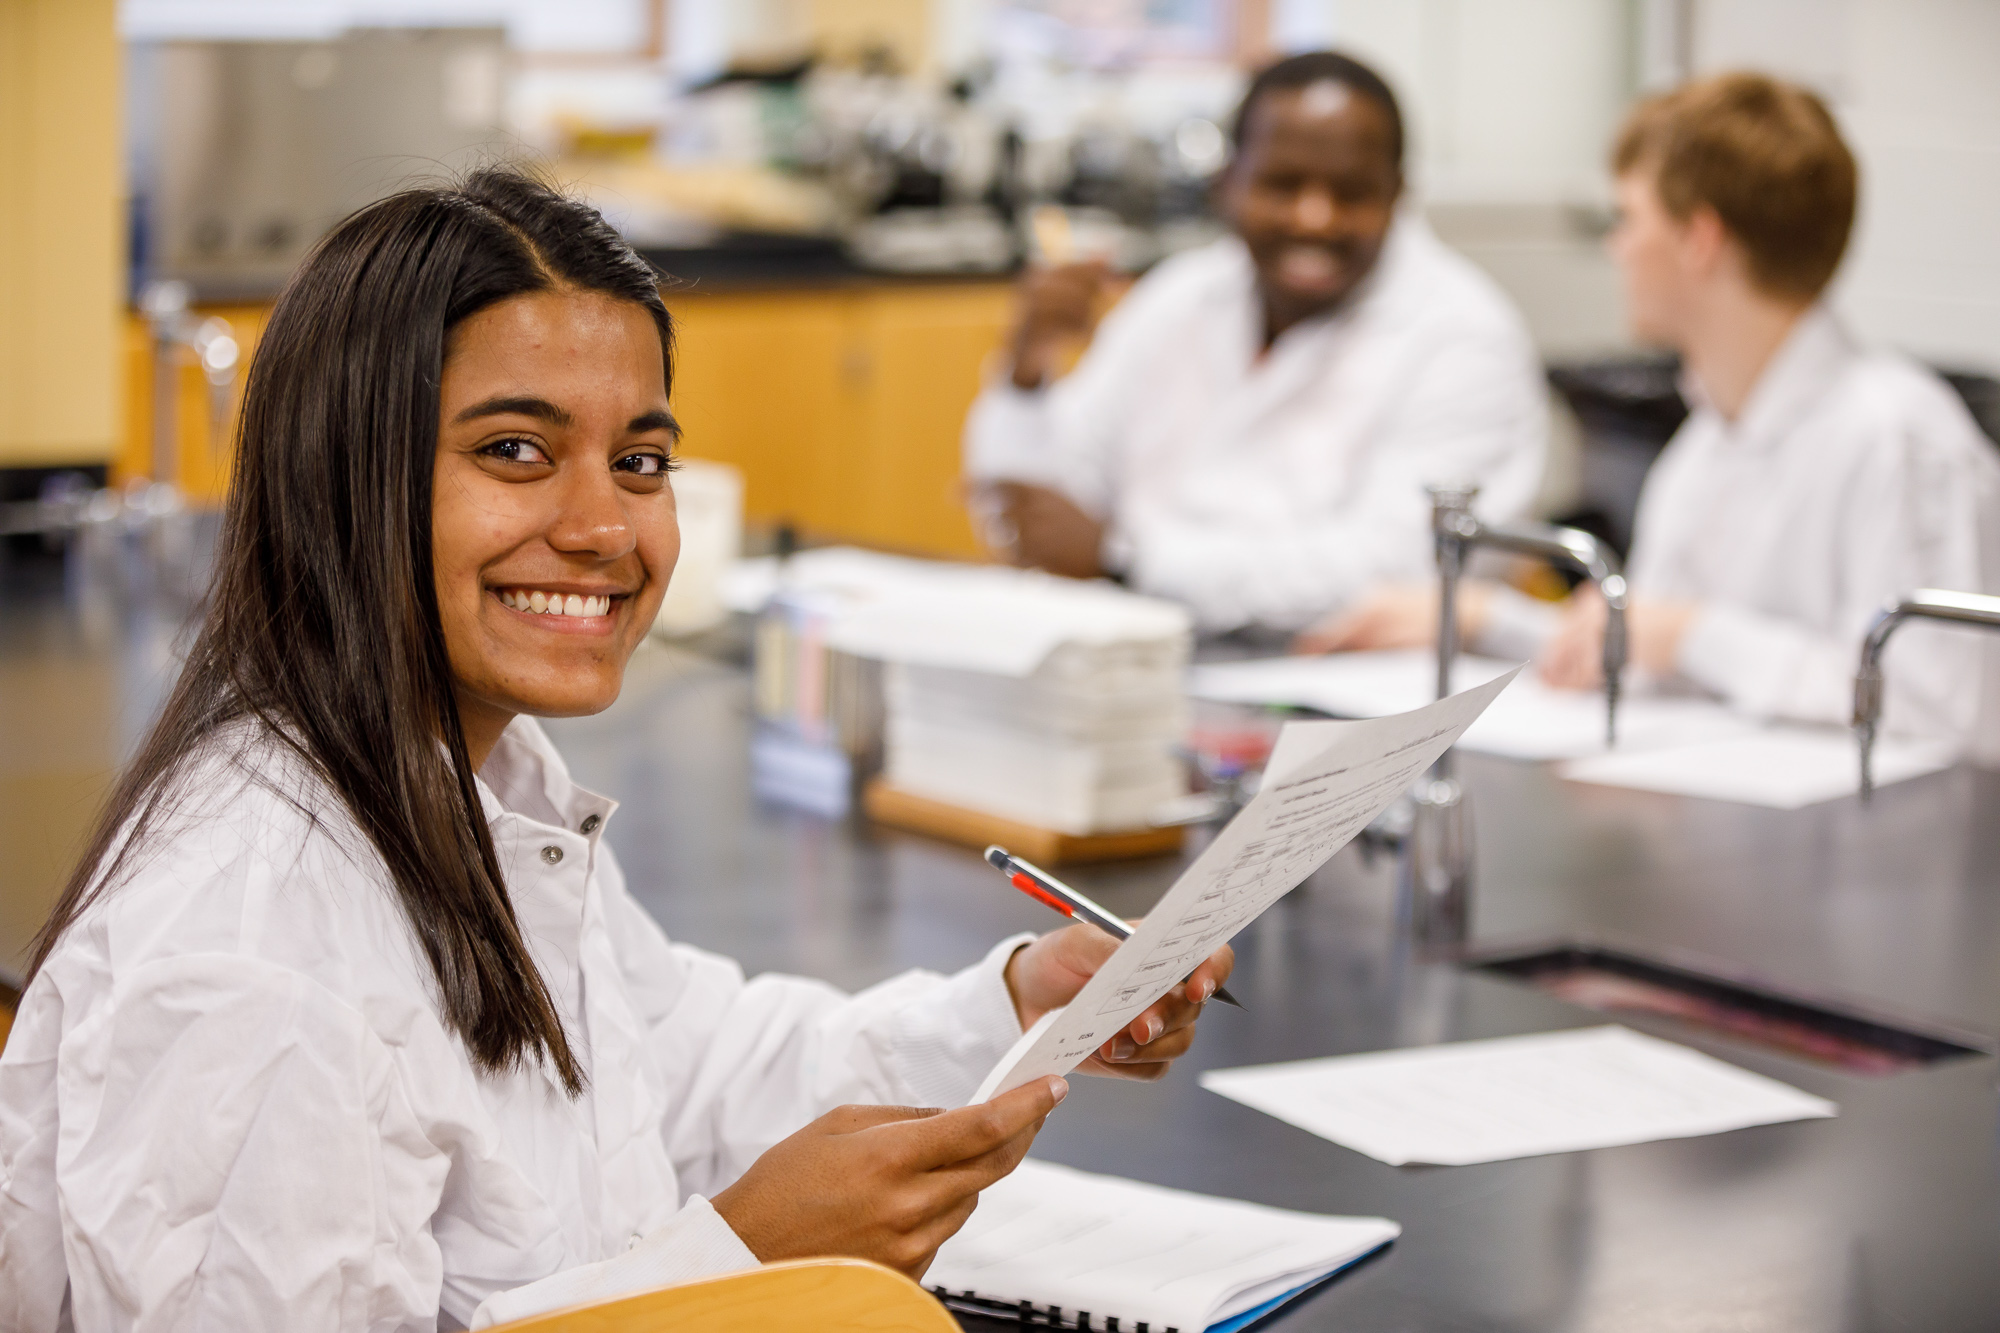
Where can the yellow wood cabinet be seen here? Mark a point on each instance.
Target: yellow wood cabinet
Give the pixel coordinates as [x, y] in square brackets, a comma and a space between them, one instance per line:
[843, 406]
[62, 227]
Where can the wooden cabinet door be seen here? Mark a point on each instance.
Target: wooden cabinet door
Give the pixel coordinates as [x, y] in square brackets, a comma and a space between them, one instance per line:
[844, 408]
[925, 349]
[763, 381]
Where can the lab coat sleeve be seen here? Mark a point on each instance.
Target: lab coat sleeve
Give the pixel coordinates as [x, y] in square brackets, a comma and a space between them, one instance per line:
[1474, 411]
[237, 1151]
[1915, 517]
[748, 1062]
[1064, 435]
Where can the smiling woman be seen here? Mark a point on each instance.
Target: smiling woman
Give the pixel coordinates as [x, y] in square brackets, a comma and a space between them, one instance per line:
[346, 1018]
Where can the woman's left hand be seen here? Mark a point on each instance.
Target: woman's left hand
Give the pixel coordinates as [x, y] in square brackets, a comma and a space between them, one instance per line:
[1047, 974]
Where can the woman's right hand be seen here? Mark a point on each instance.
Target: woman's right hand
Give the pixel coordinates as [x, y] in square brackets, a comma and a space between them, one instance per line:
[888, 1183]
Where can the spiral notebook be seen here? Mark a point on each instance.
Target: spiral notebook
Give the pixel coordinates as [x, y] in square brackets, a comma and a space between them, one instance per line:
[1060, 1248]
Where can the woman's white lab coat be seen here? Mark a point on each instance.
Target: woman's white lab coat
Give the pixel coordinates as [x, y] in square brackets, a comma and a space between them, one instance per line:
[229, 1101]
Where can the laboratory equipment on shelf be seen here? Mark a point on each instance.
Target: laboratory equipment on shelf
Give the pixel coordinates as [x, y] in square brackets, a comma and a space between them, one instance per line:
[1435, 874]
[1959, 608]
[175, 329]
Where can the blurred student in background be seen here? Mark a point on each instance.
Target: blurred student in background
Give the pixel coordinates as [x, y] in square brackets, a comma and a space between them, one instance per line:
[1814, 481]
[1251, 428]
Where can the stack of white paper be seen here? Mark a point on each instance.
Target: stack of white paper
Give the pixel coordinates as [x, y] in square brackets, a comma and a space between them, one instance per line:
[1083, 743]
[1486, 1101]
[1529, 721]
[1043, 700]
[1090, 1251]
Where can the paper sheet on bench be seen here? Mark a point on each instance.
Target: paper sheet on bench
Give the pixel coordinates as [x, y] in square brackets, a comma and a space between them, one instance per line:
[1781, 767]
[1486, 1101]
[1529, 721]
[1326, 781]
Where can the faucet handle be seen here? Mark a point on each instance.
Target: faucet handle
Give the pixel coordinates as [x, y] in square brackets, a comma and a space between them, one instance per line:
[1451, 508]
[1452, 495]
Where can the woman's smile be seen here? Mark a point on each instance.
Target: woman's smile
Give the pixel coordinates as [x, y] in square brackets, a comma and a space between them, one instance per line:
[566, 612]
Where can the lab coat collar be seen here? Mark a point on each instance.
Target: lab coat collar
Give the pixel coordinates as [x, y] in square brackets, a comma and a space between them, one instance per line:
[1803, 369]
[526, 777]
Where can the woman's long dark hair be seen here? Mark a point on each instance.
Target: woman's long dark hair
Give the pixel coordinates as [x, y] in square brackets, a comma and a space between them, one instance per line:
[322, 622]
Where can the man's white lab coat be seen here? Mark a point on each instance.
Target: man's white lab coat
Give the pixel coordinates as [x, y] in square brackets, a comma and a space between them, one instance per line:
[1850, 478]
[1269, 490]
[229, 1100]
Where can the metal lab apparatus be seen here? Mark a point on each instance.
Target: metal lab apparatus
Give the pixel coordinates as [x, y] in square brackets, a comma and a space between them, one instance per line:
[246, 153]
[1957, 608]
[1435, 889]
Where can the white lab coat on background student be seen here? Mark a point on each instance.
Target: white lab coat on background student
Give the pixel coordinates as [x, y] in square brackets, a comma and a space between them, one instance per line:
[1268, 490]
[229, 1100]
[1851, 477]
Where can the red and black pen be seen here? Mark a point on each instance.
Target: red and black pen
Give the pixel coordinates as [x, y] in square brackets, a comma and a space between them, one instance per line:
[1046, 888]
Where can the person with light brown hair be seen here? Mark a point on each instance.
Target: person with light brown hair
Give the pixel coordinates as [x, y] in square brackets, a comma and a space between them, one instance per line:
[1814, 480]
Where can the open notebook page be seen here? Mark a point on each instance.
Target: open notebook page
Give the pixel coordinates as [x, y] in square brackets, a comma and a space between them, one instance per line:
[1110, 1248]
[1304, 813]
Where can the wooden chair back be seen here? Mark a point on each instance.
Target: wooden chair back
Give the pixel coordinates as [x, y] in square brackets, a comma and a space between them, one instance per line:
[803, 1296]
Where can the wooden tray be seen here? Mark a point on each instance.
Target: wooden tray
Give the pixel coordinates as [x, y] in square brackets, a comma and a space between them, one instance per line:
[975, 828]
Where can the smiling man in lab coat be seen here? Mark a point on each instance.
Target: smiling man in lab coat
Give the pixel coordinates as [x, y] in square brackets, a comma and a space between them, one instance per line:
[1816, 478]
[1251, 428]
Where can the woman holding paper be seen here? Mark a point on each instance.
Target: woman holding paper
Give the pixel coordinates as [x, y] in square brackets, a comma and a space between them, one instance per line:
[347, 1020]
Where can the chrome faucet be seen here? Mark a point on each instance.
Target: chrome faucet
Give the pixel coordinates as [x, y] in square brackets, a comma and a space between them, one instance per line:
[1960, 608]
[1435, 872]
[1458, 530]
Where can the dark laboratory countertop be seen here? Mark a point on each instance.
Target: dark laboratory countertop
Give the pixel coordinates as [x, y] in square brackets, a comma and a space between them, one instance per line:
[1887, 1217]
[759, 261]
[735, 262]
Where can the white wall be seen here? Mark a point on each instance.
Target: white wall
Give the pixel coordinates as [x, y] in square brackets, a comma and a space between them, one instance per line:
[1916, 85]
[1508, 99]
[1513, 104]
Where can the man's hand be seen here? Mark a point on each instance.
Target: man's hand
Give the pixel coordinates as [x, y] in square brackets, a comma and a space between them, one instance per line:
[1398, 615]
[1058, 305]
[1048, 530]
[1048, 973]
[888, 1183]
[1574, 657]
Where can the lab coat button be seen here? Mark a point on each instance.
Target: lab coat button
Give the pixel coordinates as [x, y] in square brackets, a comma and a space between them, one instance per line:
[552, 854]
[590, 824]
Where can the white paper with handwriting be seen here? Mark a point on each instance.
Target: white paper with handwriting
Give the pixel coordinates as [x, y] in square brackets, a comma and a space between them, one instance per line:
[1325, 782]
